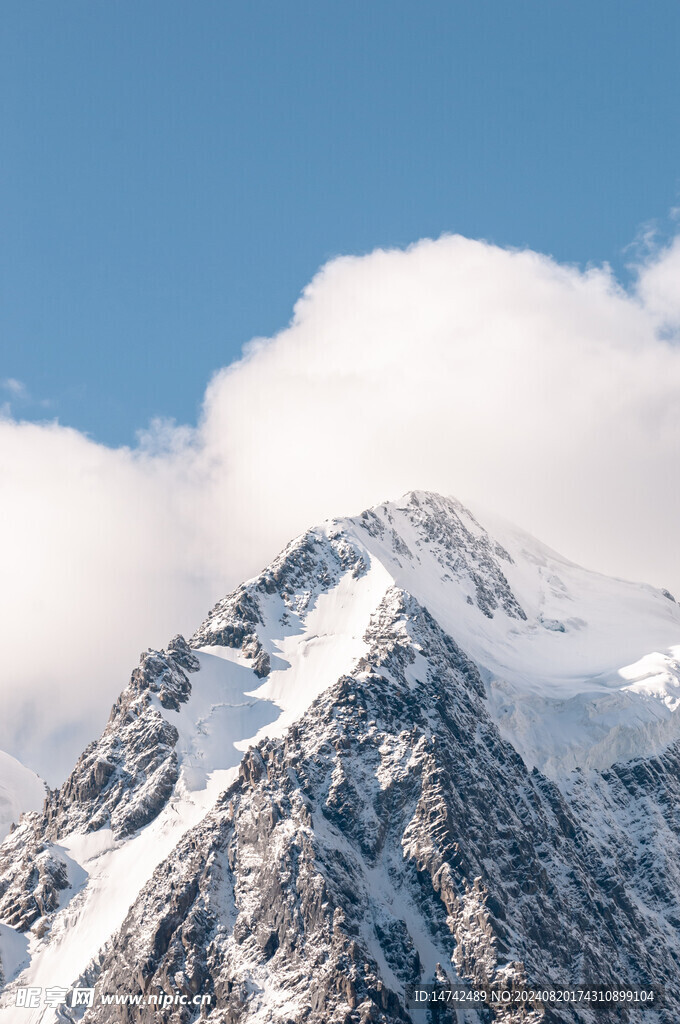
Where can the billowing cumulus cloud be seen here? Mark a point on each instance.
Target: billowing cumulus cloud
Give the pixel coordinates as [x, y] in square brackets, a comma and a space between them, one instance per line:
[659, 286]
[546, 393]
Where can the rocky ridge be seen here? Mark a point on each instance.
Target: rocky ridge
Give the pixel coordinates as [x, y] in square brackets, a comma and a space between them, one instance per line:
[392, 834]
[389, 837]
[120, 781]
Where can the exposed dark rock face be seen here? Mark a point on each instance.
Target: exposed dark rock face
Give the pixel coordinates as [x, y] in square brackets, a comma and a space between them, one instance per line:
[122, 781]
[390, 836]
[460, 544]
[309, 563]
[390, 822]
[125, 778]
[42, 875]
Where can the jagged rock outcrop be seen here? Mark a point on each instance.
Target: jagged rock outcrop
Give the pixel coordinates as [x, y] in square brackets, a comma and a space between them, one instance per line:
[458, 542]
[121, 781]
[394, 833]
[125, 777]
[391, 819]
[31, 887]
[310, 563]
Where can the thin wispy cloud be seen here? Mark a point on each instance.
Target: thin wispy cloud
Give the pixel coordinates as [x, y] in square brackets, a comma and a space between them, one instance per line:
[20, 397]
[547, 393]
[13, 386]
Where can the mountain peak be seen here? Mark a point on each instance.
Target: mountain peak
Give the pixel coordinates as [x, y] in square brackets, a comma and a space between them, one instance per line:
[375, 680]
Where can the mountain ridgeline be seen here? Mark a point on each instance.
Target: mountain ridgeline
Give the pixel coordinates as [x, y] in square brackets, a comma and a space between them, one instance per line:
[419, 747]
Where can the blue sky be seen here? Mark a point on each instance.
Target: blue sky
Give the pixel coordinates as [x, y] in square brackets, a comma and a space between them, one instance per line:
[173, 174]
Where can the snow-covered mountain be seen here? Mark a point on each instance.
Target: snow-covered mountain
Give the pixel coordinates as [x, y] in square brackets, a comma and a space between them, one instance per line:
[414, 746]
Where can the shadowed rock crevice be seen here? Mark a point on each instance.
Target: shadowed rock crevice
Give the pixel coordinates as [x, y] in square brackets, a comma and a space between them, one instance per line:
[391, 835]
[389, 831]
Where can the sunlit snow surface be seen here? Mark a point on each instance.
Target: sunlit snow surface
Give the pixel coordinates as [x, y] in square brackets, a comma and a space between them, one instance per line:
[229, 708]
[20, 790]
[591, 676]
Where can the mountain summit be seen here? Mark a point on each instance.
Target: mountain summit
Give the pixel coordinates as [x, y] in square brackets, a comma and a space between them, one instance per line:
[418, 746]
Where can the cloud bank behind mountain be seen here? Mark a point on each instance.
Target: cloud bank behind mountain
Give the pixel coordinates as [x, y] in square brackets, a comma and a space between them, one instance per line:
[547, 393]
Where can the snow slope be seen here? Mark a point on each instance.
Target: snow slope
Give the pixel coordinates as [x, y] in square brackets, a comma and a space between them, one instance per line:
[580, 670]
[588, 677]
[20, 790]
[228, 709]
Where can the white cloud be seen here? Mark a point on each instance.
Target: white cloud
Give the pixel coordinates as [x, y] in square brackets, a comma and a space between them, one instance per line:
[547, 393]
[659, 286]
[14, 386]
